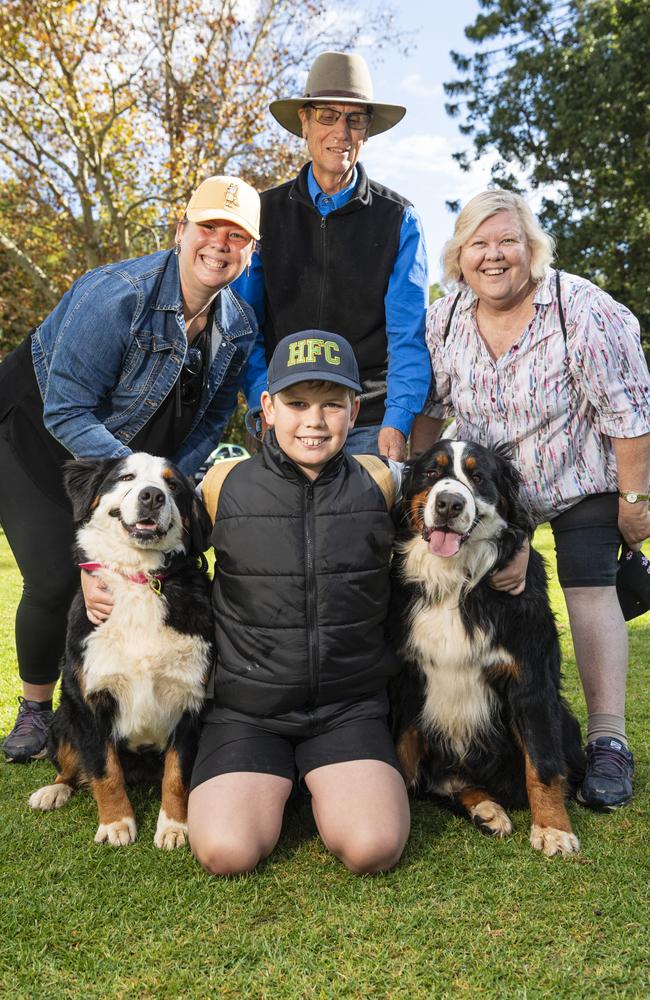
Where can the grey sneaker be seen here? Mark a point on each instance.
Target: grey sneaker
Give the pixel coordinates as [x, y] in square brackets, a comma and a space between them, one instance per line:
[607, 785]
[28, 739]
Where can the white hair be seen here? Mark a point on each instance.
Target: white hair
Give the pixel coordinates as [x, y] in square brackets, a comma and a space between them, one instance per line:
[482, 207]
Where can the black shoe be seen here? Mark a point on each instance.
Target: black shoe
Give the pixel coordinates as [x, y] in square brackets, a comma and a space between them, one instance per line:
[28, 739]
[607, 785]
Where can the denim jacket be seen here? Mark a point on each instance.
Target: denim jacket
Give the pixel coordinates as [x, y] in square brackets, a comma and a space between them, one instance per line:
[111, 350]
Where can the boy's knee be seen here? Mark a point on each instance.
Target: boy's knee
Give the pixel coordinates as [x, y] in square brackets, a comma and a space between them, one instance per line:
[372, 853]
[227, 858]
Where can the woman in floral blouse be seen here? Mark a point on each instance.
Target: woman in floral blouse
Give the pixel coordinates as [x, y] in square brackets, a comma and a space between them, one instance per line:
[551, 364]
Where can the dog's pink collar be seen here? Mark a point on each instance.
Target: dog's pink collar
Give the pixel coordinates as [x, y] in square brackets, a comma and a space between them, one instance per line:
[154, 580]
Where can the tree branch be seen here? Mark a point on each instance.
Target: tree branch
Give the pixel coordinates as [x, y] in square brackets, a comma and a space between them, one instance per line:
[36, 273]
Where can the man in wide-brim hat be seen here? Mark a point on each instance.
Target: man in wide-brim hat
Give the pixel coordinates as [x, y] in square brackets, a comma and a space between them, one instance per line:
[343, 253]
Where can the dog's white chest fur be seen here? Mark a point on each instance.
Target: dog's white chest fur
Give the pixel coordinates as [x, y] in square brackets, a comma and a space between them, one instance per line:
[459, 703]
[154, 672]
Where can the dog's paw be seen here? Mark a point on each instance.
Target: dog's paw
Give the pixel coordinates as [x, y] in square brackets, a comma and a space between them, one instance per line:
[118, 834]
[50, 796]
[491, 818]
[170, 833]
[551, 841]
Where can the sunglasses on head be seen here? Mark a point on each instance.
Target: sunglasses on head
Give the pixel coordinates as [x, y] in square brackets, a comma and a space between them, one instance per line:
[191, 376]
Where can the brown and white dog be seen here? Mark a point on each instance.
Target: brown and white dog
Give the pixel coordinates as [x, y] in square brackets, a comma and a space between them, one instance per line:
[132, 687]
[477, 713]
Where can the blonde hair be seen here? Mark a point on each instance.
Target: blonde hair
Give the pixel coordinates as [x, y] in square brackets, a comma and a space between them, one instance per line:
[482, 207]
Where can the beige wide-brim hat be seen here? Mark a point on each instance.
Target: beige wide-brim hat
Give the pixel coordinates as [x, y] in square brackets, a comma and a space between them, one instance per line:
[228, 198]
[341, 78]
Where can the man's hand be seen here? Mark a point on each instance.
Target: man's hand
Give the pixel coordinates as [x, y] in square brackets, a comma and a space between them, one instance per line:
[424, 433]
[392, 444]
[512, 578]
[634, 522]
[98, 599]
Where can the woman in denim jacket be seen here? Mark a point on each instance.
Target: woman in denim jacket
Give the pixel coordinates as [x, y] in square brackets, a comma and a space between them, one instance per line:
[144, 355]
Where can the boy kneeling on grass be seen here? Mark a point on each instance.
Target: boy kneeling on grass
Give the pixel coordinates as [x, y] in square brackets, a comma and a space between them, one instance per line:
[302, 540]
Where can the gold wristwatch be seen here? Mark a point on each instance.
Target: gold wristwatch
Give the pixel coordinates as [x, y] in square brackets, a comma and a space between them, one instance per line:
[633, 497]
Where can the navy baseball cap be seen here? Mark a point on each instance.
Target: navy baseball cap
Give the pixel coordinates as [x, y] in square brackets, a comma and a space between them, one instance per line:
[313, 354]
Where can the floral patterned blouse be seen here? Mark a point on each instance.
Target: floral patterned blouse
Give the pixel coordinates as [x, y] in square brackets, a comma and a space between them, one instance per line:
[557, 405]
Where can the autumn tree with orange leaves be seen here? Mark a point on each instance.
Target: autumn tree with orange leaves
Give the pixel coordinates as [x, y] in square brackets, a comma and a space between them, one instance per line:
[111, 113]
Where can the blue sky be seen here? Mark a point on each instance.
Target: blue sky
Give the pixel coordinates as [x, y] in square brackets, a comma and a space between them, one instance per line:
[414, 158]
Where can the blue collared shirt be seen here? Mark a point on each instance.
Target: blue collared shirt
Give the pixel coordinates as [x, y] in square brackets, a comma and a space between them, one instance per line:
[326, 203]
[405, 302]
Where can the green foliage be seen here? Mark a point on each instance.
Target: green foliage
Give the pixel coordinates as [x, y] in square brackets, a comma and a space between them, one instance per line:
[561, 92]
[235, 431]
[462, 916]
[435, 292]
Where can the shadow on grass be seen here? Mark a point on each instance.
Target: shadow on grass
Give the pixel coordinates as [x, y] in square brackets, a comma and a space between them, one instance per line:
[432, 820]
[428, 825]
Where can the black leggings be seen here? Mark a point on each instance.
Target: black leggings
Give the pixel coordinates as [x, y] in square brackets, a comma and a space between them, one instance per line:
[41, 535]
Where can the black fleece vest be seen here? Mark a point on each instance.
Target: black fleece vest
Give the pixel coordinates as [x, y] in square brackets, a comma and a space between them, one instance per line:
[331, 273]
[301, 587]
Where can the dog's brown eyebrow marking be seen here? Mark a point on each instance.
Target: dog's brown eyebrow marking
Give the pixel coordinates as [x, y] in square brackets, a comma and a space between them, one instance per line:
[167, 474]
[470, 463]
[442, 459]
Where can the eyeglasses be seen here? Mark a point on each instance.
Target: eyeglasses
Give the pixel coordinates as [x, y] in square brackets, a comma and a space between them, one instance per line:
[358, 121]
[191, 376]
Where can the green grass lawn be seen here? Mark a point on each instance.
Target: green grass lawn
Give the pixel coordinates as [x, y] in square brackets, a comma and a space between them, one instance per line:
[462, 915]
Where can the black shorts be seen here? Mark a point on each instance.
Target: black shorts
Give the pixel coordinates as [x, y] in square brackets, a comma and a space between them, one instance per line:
[587, 541]
[294, 744]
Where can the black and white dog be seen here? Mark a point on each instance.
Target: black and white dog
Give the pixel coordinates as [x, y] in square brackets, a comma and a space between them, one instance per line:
[132, 687]
[477, 712]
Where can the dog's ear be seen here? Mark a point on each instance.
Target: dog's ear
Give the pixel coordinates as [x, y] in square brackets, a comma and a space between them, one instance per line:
[200, 525]
[513, 506]
[407, 473]
[82, 479]
[400, 508]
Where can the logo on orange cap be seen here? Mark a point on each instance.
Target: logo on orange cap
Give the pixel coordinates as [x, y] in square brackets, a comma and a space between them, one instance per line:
[230, 199]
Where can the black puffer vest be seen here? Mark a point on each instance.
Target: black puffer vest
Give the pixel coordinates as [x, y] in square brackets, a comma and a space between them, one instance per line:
[331, 273]
[301, 585]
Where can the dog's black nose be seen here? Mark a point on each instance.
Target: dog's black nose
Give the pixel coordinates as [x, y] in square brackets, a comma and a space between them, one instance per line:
[449, 505]
[150, 499]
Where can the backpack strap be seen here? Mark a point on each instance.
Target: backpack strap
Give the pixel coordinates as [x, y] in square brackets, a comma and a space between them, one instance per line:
[214, 480]
[380, 472]
[216, 476]
[559, 304]
[450, 317]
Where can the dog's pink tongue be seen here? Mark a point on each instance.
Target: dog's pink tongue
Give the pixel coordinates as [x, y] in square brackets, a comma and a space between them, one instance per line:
[444, 543]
